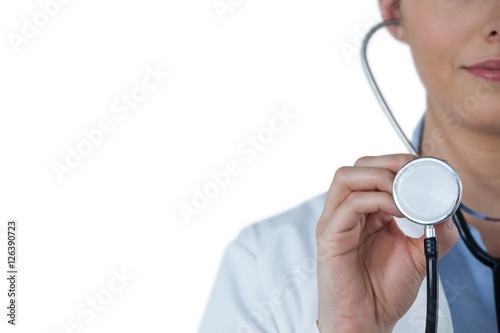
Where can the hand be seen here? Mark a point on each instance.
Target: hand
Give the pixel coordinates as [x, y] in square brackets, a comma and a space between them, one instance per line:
[369, 271]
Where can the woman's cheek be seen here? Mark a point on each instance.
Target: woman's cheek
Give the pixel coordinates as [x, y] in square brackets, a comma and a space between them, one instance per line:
[435, 46]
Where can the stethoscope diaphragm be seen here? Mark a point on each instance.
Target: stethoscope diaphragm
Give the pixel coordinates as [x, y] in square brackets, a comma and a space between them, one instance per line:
[427, 190]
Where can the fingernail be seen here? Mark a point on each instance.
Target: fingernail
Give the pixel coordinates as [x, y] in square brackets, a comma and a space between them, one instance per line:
[450, 224]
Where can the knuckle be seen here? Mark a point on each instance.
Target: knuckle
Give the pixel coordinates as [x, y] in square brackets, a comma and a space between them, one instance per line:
[324, 239]
[320, 226]
[403, 158]
[341, 173]
[350, 203]
[362, 160]
[386, 176]
[329, 240]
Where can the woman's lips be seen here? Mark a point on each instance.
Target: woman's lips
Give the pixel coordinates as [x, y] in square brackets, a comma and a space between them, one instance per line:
[487, 70]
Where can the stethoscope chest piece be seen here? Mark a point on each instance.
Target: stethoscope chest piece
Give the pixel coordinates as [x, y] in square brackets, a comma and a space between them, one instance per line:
[427, 190]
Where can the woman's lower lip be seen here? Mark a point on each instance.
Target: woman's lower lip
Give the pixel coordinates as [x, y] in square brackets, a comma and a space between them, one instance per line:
[491, 75]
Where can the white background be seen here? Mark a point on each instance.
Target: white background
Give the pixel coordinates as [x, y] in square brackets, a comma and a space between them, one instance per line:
[119, 209]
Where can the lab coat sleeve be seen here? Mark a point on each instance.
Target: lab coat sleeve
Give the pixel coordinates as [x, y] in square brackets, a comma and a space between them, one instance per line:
[245, 297]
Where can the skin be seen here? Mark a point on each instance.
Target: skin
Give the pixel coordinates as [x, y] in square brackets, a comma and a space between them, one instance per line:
[369, 272]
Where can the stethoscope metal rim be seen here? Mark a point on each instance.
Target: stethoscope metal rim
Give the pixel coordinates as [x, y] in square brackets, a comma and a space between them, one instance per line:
[426, 159]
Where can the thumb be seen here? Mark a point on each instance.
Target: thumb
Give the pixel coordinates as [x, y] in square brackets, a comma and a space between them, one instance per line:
[447, 236]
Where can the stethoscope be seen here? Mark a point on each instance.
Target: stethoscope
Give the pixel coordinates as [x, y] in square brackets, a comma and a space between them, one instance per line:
[428, 191]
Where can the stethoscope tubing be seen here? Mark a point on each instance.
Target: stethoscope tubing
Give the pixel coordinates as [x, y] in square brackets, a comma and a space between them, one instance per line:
[482, 256]
[375, 88]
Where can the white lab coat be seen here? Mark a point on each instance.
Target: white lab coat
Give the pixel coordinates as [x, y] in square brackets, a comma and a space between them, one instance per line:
[267, 279]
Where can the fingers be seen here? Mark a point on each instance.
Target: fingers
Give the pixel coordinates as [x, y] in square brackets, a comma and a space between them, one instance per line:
[347, 225]
[371, 173]
[392, 162]
[356, 236]
[350, 179]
